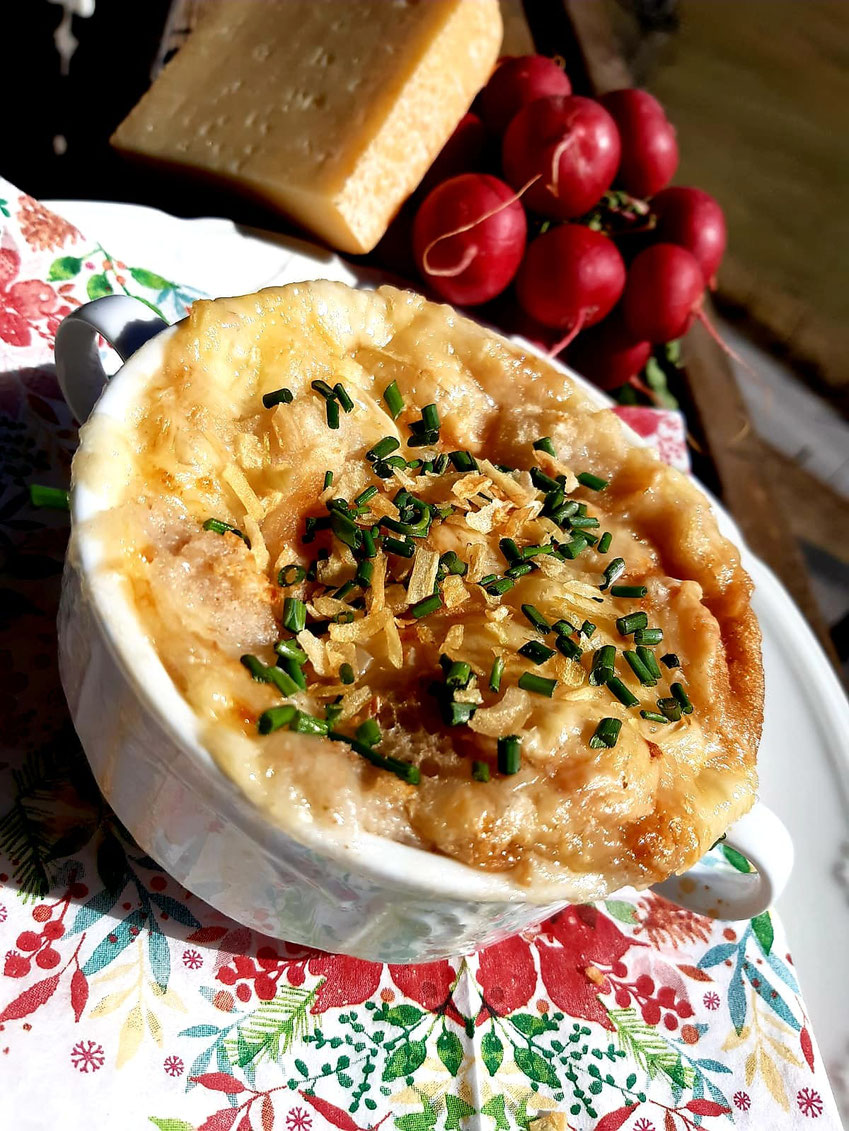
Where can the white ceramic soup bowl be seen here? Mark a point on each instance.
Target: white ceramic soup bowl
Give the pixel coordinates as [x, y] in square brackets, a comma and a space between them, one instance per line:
[364, 896]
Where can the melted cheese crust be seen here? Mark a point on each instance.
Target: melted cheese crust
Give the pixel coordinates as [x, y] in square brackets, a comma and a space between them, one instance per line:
[202, 445]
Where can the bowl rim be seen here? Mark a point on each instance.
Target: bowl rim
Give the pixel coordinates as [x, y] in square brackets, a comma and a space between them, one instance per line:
[405, 867]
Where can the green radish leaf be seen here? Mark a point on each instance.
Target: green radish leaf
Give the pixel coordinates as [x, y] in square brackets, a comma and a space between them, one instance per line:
[98, 286]
[66, 267]
[535, 1068]
[149, 279]
[492, 1052]
[450, 1052]
[405, 1060]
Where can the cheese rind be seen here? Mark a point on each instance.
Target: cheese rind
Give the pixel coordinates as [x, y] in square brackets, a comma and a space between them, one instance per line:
[330, 111]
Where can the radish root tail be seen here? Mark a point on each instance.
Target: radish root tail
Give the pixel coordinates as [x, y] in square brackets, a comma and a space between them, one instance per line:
[470, 253]
[558, 347]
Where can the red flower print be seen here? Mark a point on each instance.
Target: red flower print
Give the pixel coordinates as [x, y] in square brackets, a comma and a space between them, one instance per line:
[349, 981]
[192, 959]
[87, 1056]
[711, 1000]
[589, 934]
[428, 983]
[742, 1100]
[173, 1065]
[507, 975]
[644, 1125]
[298, 1120]
[25, 303]
[3, 913]
[809, 1102]
[565, 976]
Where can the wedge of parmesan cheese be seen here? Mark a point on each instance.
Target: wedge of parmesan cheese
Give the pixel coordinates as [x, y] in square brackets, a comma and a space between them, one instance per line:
[329, 110]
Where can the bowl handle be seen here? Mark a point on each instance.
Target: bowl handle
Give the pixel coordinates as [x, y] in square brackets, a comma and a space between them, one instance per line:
[125, 322]
[763, 840]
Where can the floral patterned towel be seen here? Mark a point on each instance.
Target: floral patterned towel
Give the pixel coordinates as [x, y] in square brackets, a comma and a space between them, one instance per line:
[126, 1002]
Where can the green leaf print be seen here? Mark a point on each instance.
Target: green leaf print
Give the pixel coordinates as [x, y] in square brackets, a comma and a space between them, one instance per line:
[272, 1029]
[492, 1051]
[645, 1045]
[494, 1108]
[529, 1025]
[455, 1110]
[165, 1124]
[536, 1068]
[736, 859]
[118, 940]
[405, 1060]
[404, 1015]
[66, 267]
[450, 1052]
[418, 1120]
[150, 279]
[619, 909]
[763, 931]
[98, 286]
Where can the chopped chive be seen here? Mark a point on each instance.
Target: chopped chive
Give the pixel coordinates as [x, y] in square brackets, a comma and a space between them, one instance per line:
[294, 615]
[500, 587]
[414, 463]
[509, 754]
[616, 687]
[630, 623]
[346, 673]
[602, 666]
[426, 606]
[606, 734]
[568, 648]
[554, 501]
[451, 562]
[368, 548]
[263, 674]
[346, 617]
[385, 468]
[275, 718]
[587, 629]
[535, 551]
[219, 527]
[291, 574]
[284, 683]
[671, 708]
[537, 683]
[590, 538]
[255, 666]
[331, 406]
[647, 657]
[574, 547]
[480, 771]
[613, 571]
[279, 396]
[681, 696]
[397, 546]
[648, 636]
[639, 669]
[653, 717]
[563, 627]
[323, 388]
[456, 714]
[536, 651]
[292, 650]
[671, 660]
[312, 524]
[535, 617]
[430, 417]
[342, 592]
[583, 522]
[342, 396]
[510, 550]
[394, 400]
[564, 511]
[363, 576]
[368, 732]
[295, 672]
[604, 542]
[458, 674]
[304, 723]
[628, 591]
[496, 674]
[594, 482]
[406, 771]
[463, 461]
[543, 482]
[519, 570]
[58, 499]
[544, 444]
[366, 495]
[383, 448]
[440, 464]
[345, 529]
[333, 712]
[423, 440]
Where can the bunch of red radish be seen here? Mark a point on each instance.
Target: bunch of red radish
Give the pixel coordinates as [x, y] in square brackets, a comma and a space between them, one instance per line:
[609, 274]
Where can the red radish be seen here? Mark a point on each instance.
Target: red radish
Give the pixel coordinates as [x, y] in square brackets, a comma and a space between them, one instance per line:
[607, 354]
[692, 219]
[469, 238]
[462, 153]
[649, 147]
[568, 147]
[570, 278]
[663, 293]
[515, 83]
